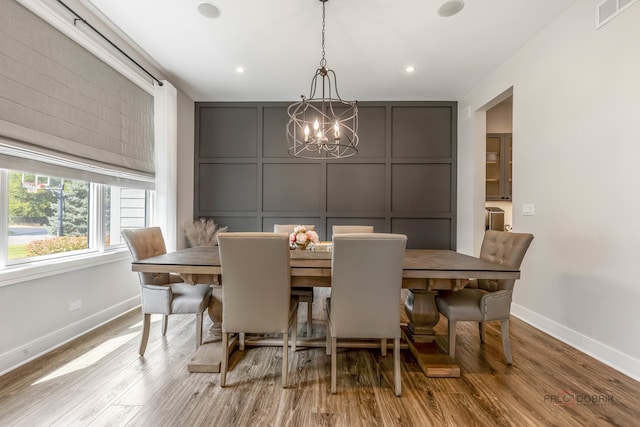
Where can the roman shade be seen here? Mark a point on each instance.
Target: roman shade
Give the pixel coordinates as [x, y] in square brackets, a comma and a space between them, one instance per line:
[64, 112]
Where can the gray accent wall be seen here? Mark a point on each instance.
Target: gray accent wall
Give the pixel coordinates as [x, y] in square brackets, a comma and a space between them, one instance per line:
[403, 179]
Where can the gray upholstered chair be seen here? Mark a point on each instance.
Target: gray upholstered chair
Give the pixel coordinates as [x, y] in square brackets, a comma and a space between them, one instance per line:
[256, 299]
[164, 293]
[365, 293]
[486, 300]
[304, 294]
[344, 229]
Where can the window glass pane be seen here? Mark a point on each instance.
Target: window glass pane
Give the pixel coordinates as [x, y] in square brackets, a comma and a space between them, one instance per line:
[124, 208]
[47, 215]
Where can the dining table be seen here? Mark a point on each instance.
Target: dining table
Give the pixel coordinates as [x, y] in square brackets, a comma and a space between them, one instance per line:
[425, 273]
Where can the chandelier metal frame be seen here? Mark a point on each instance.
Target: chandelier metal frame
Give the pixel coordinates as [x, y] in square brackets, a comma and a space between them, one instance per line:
[327, 126]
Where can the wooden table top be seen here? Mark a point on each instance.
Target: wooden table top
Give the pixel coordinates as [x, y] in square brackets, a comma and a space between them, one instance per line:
[418, 263]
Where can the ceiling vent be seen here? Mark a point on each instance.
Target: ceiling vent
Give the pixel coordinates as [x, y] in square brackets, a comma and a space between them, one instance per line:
[609, 9]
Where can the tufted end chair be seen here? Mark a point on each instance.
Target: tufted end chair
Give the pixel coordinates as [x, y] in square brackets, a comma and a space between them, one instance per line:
[164, 293]
[486, 300]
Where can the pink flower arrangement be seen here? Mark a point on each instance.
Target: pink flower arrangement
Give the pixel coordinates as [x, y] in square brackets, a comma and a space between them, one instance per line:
[301, 237]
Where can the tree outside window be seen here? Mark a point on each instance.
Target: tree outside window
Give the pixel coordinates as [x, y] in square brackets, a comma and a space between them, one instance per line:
[47, 215]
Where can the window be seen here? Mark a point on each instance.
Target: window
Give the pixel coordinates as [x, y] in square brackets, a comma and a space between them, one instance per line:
[125, 208]
[49, 217]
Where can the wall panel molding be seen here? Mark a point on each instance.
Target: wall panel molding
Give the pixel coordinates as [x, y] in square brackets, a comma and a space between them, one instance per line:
[403, 178]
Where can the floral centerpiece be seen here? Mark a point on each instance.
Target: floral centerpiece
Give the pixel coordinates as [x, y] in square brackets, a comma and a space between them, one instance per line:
[301, 238]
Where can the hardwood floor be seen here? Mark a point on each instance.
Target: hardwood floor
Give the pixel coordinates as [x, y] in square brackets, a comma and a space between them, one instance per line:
[99, 380]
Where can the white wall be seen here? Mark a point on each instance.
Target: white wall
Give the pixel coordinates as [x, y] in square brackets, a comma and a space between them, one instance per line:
[500, 118]
[35, 315]
[576, 110]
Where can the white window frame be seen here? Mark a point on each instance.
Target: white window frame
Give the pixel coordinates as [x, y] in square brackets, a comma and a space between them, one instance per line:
[98, 253]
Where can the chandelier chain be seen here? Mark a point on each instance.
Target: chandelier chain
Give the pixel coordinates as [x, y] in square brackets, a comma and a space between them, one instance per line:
[323, 61]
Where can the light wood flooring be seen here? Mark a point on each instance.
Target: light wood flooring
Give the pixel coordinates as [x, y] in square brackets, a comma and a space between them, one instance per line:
[99, 380]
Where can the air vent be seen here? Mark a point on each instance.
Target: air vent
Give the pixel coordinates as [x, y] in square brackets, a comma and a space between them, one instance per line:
[609, 9]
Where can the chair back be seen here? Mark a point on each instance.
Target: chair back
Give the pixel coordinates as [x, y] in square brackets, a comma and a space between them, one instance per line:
[256, 281]
[505, 248]
[288, 228]
[365, 285]
[145, 243]
[344, 229]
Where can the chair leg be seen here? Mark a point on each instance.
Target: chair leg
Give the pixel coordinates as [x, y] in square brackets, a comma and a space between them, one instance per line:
[285, 359]
[165, 320]
[504, 331]
[198, 330]
[328, 335]
[309, 318]
[146, 325]
[383, 347]
[241, 341]
[225, 359]
[333, 364]
[481, 331]
[452, 338]
[396, 366]
[294, 332]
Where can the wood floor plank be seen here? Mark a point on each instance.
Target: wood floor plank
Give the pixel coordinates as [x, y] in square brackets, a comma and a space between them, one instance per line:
[75, 385]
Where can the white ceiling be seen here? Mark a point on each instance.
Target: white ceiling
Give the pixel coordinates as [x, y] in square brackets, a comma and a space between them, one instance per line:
[369, 43]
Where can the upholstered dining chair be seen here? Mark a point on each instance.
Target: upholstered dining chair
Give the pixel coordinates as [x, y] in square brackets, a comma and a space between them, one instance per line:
[256, 299]
[344, 229]
[304, 294]
[366, 282]
[163, 293]
[487, 300]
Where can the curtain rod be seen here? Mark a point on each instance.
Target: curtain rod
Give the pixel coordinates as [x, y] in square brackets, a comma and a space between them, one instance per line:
[80, 18]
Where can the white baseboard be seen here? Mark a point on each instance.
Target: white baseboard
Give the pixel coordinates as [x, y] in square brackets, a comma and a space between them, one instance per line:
[599, 351]
[36, 348]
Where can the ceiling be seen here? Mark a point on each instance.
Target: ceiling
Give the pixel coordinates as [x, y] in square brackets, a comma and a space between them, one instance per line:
[369, 44]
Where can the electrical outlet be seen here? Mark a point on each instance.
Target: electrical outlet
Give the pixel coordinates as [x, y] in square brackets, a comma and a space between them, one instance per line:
[75, 305]
[528, 209]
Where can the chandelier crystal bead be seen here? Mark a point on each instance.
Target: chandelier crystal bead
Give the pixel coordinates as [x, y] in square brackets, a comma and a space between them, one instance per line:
[323, 125]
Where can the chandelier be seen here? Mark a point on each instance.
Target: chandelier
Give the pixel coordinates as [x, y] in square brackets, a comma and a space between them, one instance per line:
[323, 126]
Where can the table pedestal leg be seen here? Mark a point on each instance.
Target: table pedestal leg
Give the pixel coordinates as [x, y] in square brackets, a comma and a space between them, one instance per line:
[209, 355]
[423, 314]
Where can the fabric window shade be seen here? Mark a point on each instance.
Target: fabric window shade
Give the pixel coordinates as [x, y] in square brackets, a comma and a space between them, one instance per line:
[65, 112]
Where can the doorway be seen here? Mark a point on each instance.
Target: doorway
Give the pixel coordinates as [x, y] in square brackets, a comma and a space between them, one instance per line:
[499, 172]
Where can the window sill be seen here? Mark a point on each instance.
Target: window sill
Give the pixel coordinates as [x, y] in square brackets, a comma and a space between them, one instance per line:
[22, 273]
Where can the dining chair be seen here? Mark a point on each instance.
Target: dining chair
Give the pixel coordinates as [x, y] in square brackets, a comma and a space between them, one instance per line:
[366, 282]
[304, 294]
[342, 229]
[256, 299]
[486, 300]
[164, 293]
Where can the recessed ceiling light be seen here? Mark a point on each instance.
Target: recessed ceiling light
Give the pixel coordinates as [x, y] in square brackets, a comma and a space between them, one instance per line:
[450, 8]
[208, 10]
[410, 69]
[240, 70]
